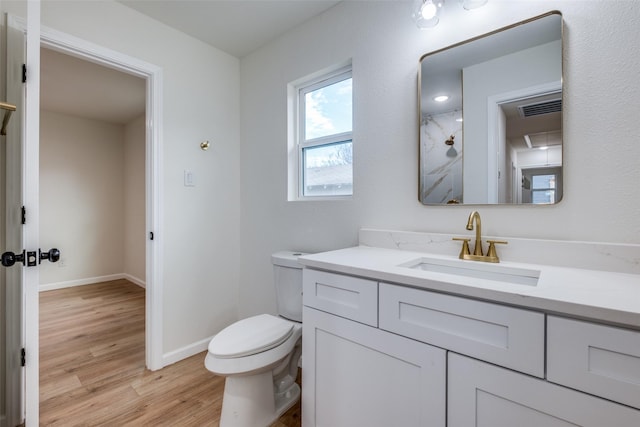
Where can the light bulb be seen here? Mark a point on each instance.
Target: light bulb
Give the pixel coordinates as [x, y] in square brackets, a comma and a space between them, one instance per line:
[425, 12]
[429, 10]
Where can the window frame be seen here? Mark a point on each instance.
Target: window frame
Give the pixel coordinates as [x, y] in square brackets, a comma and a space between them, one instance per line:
[300, 143]
[553, 190]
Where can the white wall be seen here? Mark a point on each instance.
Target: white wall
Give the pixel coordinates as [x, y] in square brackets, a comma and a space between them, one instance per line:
[602, 100]
[81, 197]
[200, 232]
[92, 199]
[135, 233]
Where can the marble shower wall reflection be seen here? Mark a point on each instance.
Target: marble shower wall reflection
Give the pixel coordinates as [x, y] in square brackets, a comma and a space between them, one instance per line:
[442, 163]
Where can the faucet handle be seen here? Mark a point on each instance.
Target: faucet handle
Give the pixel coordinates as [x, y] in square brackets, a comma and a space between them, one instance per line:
[465, 246]
[491, 252]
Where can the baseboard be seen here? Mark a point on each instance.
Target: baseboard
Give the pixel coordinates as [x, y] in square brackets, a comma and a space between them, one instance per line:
[184, 352]
[90, 281]
[135, 280]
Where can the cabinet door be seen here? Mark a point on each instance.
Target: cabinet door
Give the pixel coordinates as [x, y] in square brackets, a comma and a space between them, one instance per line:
[356, 375]
[485, 395]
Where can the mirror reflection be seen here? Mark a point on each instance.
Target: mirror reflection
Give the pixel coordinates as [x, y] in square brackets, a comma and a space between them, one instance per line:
[491, 117]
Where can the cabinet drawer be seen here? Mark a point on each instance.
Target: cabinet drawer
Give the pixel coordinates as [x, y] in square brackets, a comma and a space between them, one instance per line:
[506, 336]
[597, 359]
[346, 296]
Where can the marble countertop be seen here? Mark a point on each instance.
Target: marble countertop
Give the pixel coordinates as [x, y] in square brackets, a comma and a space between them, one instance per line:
[604, 296]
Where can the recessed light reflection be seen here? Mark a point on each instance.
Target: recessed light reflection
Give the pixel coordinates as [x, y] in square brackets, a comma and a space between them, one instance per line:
[441, 98]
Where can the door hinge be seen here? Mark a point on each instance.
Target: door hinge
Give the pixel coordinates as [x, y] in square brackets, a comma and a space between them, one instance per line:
[24, 215]
[23, 357]
[24, 73]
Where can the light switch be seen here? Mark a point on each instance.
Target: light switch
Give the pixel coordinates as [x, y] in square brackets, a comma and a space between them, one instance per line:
[189, 178]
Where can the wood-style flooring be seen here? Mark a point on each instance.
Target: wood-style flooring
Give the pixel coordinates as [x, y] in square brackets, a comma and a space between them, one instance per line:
[92, 366]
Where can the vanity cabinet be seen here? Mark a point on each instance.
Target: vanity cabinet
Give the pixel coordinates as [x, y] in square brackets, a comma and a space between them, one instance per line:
[383, 354]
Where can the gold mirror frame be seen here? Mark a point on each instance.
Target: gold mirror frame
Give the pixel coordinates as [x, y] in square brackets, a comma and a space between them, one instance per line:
[455, 165]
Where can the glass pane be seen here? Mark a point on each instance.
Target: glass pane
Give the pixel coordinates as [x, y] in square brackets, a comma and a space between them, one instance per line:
[544, 181]
[328, 170]
[328, 110]
[543, 197]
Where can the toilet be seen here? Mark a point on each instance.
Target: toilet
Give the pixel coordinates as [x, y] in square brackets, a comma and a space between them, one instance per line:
[259, 355]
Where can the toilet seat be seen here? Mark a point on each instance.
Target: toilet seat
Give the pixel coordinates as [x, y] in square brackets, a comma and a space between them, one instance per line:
[250, 336]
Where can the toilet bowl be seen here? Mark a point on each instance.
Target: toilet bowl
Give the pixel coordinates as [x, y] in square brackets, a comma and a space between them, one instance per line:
[259, 356]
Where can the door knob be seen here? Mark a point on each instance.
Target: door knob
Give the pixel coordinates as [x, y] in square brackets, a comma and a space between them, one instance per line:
[52, 255]
[9, 258]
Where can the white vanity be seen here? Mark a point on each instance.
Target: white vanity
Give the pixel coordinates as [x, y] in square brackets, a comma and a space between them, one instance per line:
[390, 341]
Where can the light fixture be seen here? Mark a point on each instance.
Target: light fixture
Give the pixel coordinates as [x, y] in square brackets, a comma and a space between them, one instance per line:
[425, 12]
[441, 98]
[473, 4]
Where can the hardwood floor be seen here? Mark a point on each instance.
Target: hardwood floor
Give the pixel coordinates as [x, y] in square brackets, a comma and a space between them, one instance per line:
[92, 370]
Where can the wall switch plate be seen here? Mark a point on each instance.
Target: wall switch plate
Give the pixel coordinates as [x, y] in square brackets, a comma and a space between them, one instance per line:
[189, 178]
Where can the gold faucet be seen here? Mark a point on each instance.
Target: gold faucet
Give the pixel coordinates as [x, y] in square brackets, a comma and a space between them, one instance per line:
[476, 216]
[477, 255]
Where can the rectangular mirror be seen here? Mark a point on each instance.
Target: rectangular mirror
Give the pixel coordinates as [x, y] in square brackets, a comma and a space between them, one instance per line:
[491, 117]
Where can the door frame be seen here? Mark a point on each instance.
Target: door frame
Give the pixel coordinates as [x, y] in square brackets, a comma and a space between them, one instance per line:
[153, 75]
[494, 133]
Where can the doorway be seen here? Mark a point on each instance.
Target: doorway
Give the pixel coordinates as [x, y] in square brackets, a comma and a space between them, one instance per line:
[91, 207]
[26, 326]
[92, 172]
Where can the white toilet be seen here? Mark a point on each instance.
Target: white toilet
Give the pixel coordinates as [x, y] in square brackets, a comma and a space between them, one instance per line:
[259, 355]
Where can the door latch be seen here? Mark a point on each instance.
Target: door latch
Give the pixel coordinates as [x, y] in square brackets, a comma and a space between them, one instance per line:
[31, 259]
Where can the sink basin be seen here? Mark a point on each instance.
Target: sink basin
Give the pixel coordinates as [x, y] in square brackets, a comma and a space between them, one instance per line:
[518, 276]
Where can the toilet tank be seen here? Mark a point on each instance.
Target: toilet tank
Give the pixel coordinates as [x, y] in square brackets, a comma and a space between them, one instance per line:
[288, 280]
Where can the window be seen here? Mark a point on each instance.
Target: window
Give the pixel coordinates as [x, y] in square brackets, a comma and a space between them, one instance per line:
[323, 142]
[543, 189]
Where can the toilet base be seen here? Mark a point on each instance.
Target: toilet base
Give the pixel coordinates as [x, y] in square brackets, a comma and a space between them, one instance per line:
[250, 401]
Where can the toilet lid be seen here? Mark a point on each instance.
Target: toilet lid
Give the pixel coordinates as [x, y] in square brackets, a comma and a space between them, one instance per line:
[250, 336]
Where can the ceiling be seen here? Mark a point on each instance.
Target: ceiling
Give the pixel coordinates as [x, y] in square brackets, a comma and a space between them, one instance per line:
[73, 86]
[237, 27]
[80, 88]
